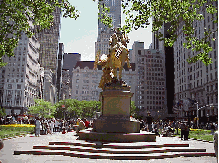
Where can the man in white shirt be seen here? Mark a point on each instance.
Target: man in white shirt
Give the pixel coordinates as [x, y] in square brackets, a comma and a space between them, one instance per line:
[56, 125]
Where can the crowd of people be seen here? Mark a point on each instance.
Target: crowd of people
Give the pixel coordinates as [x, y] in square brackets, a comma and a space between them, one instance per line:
[50, 126]
[17, 119]
[168, 128]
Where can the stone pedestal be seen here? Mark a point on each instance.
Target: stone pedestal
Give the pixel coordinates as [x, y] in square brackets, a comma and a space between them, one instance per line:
[114, 125]
[115, 116]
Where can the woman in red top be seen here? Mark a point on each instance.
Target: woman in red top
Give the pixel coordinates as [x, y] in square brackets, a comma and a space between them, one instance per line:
[87, 123]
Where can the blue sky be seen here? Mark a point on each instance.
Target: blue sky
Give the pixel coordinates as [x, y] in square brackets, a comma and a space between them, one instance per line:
[79, 35]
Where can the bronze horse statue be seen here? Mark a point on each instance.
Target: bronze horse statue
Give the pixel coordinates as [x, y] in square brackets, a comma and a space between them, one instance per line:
[118, 55]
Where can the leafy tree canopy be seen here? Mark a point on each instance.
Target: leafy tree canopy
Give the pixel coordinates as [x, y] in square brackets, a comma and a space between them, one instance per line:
[15, 16]
[43, 108]
[2, 112]
[173, 12]
[74, 108]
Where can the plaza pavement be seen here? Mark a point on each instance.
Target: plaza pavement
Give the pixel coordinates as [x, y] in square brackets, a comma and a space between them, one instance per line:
[27, 143]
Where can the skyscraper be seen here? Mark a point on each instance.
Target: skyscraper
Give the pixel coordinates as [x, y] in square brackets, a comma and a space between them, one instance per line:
[169, 64]
[19, 78]
[104, 32]
[49, 43]
[150, 93]
[59, 70]
[196, 81]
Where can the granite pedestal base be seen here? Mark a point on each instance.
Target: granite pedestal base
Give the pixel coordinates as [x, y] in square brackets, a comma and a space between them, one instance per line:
[89, 135]
[116, 125]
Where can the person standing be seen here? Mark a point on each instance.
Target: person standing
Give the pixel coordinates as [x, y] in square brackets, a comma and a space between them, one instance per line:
[56, 125]
[161, 127]
[186, 135]
[212, 128]
[37, 127]
[183, 127]
[176, 127]
[86, 122]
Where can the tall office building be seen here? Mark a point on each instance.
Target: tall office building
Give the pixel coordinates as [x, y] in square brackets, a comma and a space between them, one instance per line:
[49, 43]
[150, 96]
[104, 32]
[196, 81]
[59, 70]
[169, 65]
[20, 77]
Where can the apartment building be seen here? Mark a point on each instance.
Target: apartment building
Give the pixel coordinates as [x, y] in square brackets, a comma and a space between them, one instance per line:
[19, 78]
[85, 80]
[150, 93]
[196, 81]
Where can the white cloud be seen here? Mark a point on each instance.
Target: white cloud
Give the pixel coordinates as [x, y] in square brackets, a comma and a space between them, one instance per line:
[85, 46]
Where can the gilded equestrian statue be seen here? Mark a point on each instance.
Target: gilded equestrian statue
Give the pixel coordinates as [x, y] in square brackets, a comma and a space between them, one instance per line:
[118, 55]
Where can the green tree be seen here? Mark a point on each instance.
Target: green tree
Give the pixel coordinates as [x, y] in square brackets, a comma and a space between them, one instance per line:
[175, 13]
[2, 112]
[74, 108]
[134, 110]
[15, 16]
[89, 108]
[43, 108]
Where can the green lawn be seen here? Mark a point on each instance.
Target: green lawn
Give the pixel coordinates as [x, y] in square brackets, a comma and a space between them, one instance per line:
[14, 131]
[200, 134]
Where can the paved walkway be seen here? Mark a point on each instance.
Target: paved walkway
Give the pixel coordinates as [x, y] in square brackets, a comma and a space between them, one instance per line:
[27, 143]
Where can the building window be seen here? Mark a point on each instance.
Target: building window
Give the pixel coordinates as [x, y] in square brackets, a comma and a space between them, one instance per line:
[9, 86]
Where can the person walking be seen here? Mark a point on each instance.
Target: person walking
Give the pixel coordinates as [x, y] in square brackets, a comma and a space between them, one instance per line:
[52, 124]
[212, 128]
[176, 127]
[183, 127]
[37, 127]
[186, 135]
[56, 125]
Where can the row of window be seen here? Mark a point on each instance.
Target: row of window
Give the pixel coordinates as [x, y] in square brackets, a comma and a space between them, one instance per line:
[94, 93]
[87, 98]
[151, 107]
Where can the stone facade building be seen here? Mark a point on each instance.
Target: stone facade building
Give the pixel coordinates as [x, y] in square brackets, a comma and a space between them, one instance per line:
[49, 88]
[85, 80]
[59, 70]
[150, 93]
[196, 81]
[49, 43]
[19, 78]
